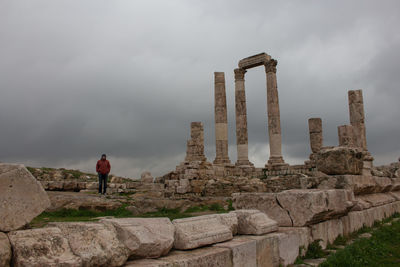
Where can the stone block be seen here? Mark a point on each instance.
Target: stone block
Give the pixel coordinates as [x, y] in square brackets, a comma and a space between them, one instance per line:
[310, 206]
[303, 233]
[339, 160]
[199, 231]
[327, 231]
[146, 177]
[95, 243]
[265, 202]
[22, 197]
[288, 244]
[267, 249]
[5, 250]
[383, 184]
[148, 263]
[378, 199]
[42, 247]
[244, 252]
[230, 220]
[144, 237]
[395, 194]
[358, 184]
[254, 222]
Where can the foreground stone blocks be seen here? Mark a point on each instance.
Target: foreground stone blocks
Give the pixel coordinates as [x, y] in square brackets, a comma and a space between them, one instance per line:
[95, 243]
[244, 252]
[267, 249]
[22, 197]
[5, 250]
[327, 231]
[288, 247]
[199, 231]
[42, 247]
[254, 222]
[340, 160]
[144, 237]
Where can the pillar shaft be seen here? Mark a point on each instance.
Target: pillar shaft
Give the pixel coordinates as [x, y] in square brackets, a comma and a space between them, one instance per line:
[346, 135]
[221, 119]
[274, 121]
[315, 130]
[195, 145]
[357, 119]
[241, 119]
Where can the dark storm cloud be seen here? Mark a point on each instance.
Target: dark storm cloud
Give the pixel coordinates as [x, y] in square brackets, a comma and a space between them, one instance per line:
[79, 78]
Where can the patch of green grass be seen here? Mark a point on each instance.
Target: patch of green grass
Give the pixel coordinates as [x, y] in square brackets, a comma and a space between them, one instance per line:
[213, 207]
[382, 249]
[230, 205]
[164, 212]
[315, 251]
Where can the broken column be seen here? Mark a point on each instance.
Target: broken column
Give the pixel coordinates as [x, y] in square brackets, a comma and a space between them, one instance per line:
[315, 130]
[241, 120]
[221, 119]
[274, 121]
[346, 135]
[357, 119]
[195, 146]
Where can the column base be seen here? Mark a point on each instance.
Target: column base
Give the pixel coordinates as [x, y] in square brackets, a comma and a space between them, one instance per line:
[244, 163]
[276, 163]
[222, 161]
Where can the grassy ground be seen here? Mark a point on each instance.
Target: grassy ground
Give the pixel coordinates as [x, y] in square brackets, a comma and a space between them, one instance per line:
[70, 215]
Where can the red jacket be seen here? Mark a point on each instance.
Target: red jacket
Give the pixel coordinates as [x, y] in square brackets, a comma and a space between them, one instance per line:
[103, 166]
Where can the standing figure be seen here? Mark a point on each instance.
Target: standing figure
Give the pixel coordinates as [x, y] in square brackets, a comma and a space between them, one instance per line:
[103, 168]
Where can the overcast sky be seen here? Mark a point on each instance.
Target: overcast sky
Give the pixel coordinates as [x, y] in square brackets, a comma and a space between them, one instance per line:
[126, 78]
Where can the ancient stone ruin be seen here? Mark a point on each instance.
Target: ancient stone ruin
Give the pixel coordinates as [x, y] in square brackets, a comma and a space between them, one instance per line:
[270, 214]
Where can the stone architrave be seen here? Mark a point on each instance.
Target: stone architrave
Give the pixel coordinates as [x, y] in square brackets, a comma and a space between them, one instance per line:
[22, 197]
[195, 146]
[241, 120]
[315, 130]
[346, 135]
[274, 121]
[221, 119]
[199, 231]
[357, 118]
[254, 61]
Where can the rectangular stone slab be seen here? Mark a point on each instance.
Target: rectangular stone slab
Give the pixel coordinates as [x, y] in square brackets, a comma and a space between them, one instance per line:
[199, 231]
[267, 249]
[254, 61]
[244, 251]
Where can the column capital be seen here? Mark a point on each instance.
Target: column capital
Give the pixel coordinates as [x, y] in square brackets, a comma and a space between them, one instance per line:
[239, 74]
[270, 66]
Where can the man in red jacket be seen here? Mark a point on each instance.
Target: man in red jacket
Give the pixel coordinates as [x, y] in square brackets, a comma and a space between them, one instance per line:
[103, 168]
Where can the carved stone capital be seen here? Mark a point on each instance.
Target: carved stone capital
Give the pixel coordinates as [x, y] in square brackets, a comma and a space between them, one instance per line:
[270, 66]
[239, 74]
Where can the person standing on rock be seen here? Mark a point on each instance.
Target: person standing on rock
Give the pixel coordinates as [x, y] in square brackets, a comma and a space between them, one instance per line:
[103, 168]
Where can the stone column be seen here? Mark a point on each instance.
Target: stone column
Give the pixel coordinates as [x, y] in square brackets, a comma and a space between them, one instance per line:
[346, 135]
[221, 119]
[195, 146]
[274, 121]
[315, 130]
[357, 120]
[241, 120]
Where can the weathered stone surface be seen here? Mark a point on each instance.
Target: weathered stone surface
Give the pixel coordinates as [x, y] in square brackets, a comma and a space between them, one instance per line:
[95, 243]
[377, 199]
[22, 197]
[346, 136]
[255, 222]
[383, 184]
[144, 237]
[303, 233]
[199, 231]
[361, 205]
[265, 202]
[146, 177]
[254, 61]
[289, 244]
[395, 194]
[313, 205]
[230, 220]
[327, 231]
[195, 146]
[202, 257]
[244, 252]
[148, 263]
[42, 247]
[340, 160]
[267, 249]
[357, 119]
[315, 131]
[358, 184]
[5, 250]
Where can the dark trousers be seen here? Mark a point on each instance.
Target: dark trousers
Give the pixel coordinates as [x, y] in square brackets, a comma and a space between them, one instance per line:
[103, 183]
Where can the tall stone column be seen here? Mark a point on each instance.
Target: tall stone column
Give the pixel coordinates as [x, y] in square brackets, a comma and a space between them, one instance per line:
[346, 135]
[274, 121]
[357, 119]
[315, 130]
[241, 120]
[195, 145]
[221, 119]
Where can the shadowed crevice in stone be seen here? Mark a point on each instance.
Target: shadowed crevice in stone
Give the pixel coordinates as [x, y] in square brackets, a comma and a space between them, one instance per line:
[279, 204]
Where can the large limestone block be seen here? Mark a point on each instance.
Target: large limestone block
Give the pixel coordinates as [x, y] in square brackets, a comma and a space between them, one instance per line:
[339, 160]
[22, 197]
[378, 199]
[383, 184]
[95, 243]
[309, 206]
[267, 249]
[265, 202]
[289, 244]
[42, 247]
[199, 231]
[144, 237]
[303, 233]
[357, 183]
[5, 250]
[202, 257]
[244, 252]
[327, 231]
[146, 177]
[395, 194]
[255, 222]
[230, 220]
[148, 263]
